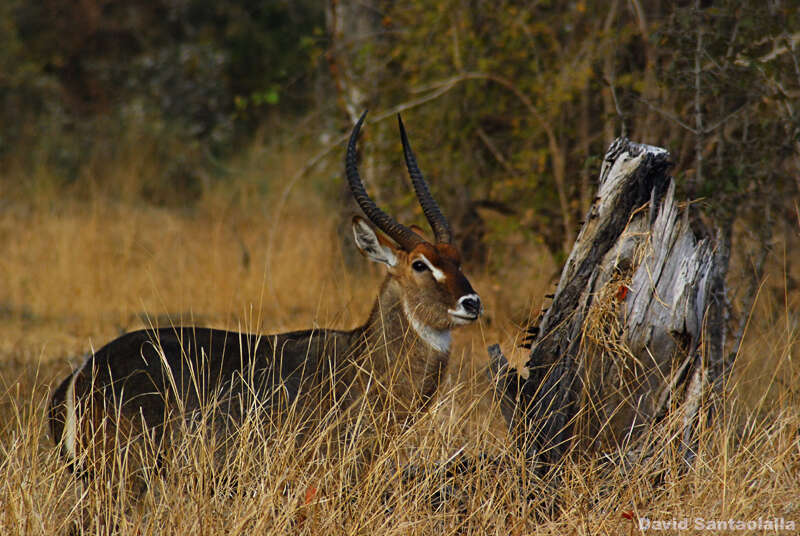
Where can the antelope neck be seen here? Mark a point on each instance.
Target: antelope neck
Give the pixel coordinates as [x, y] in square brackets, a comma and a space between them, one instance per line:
[437, 339]
[391, 309]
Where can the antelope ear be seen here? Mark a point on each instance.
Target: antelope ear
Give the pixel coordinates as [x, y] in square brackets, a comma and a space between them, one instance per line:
[371, 244]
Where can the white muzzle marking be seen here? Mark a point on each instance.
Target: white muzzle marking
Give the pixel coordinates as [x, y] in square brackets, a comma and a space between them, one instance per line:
[463, 315]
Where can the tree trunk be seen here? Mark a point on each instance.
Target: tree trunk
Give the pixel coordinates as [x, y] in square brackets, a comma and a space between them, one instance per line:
[357, 76]
[350, 26]
[636, 327]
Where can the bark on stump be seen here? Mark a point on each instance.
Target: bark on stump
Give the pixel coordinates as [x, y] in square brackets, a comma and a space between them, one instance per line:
[636, 327]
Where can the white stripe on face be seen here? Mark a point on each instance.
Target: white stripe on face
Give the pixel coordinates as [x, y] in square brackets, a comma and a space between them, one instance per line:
[438, 275]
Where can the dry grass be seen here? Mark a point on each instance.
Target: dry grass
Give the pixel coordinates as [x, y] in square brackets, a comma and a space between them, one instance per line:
[76, 273]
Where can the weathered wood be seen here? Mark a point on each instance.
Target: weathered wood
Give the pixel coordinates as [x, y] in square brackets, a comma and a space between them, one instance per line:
[621, 343]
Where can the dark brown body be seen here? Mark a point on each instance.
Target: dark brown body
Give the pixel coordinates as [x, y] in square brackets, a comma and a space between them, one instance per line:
[149, 373]
[147, 381]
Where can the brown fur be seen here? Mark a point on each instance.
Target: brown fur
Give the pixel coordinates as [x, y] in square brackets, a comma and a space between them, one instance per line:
[128, 387]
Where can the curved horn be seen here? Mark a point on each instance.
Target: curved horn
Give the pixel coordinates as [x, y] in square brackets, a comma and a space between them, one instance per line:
[396, 231]
[441, 229]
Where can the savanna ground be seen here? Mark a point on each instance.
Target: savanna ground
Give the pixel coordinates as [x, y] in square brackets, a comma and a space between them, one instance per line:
[79, 267]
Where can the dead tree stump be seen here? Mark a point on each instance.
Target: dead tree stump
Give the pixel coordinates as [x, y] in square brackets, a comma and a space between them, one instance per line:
[636, 327]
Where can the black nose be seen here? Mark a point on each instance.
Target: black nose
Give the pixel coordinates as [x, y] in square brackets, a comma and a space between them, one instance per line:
[471, 304]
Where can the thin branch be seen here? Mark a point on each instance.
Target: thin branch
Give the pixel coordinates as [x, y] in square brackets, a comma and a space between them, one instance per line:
[698, 110]
[611, 86]
[797, 212]
[792, 45]
[441, 90]
[669, 115]
[734, 34]
[674, 118]
[712, 61]
[425, 88]
[791, 42]
[714, 126]
[471, 75]
[487, 141]
[756, 282]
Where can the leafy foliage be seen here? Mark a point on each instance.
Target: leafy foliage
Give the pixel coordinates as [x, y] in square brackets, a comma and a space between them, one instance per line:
[78, 73]
[527, 97]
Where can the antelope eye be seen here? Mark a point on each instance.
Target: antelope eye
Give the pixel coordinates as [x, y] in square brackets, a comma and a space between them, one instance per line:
[419, 266]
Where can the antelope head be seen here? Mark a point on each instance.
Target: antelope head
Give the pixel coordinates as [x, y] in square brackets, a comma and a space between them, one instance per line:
[436, 295]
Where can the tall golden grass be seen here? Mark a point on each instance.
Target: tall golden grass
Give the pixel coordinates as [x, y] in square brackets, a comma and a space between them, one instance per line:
[79, 267]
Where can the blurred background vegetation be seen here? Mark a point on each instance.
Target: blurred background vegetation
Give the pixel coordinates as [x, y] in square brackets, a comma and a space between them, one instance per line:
[510, 105]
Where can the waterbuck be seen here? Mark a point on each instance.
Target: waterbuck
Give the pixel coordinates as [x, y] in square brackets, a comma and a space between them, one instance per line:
[143, 383]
